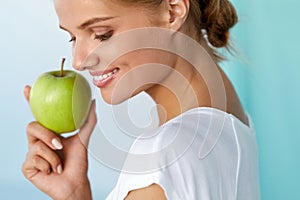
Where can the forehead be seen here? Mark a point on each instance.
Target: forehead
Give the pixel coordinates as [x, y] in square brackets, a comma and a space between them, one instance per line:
[69, 11]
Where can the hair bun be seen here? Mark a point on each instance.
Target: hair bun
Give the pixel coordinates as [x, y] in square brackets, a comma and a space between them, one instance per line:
[218, 16]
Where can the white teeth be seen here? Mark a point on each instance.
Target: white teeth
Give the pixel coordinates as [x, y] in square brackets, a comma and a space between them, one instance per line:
[105, 76]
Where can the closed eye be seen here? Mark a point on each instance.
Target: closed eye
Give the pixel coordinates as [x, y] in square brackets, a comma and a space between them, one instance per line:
[103, 37]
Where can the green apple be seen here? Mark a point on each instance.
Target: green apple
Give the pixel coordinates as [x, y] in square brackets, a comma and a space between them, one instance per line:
[60, 100]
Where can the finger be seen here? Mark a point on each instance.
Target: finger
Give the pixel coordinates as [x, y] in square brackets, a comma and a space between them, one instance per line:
[48, 155]
[34, 164]
[87, 129]
[27, 92]
[36, 132]
[29, 170]
[40, 164]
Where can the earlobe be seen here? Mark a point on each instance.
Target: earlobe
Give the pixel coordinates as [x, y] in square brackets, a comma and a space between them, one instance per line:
[178, 12]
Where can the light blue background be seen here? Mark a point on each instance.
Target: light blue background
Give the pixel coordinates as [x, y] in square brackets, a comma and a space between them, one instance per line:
[266, 75]
[268, 81]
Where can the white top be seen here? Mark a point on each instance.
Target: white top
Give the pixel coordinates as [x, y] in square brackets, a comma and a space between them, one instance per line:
[203, 153]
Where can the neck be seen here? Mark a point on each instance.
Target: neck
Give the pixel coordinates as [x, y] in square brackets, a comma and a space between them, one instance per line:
[182, 90]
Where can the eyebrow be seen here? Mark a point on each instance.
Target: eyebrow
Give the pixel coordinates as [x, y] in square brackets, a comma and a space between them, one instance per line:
[93, 21]
[90, 22]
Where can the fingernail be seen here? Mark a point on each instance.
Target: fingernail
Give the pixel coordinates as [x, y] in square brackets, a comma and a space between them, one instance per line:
[57, 144]
[59, 169]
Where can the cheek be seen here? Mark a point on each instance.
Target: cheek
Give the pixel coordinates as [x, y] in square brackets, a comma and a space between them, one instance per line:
[148, 56]
[145, 67]
[139, 71]
[134, 81]
[140, 79]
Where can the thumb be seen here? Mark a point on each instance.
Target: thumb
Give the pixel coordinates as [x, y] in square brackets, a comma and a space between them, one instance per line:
[27, 92]
[87, 129]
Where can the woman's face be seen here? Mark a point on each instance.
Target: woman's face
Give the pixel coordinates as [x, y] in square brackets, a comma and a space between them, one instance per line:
[93, 22]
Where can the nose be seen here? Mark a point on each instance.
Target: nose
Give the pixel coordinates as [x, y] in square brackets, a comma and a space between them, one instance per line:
[82, 56]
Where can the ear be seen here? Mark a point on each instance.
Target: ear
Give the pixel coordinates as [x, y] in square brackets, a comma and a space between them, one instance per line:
[178, 13]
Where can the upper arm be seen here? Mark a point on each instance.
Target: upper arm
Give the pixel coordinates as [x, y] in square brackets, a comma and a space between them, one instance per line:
[151, 192]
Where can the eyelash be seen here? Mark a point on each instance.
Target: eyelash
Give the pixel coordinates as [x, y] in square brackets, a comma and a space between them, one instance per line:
[102, 37]
[72, 39]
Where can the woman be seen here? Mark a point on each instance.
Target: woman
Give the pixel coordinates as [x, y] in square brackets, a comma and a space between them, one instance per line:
[212, 153]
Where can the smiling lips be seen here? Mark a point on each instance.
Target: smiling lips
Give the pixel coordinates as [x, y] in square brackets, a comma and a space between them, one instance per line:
[101, 79]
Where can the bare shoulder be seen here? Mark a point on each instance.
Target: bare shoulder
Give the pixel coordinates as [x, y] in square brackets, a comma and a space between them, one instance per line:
[151, 192]
[234, 106]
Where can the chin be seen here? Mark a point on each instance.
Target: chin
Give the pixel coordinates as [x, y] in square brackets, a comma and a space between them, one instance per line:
[117, 98]
[113, 99]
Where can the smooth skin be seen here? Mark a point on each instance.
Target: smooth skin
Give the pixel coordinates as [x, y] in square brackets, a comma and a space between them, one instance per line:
[43, 161]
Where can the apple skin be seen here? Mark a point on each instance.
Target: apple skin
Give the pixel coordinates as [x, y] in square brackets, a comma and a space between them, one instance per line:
[60, 104]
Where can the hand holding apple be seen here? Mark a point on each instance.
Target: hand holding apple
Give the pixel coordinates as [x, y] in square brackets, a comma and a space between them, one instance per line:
[60, 100]
[52, 162]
